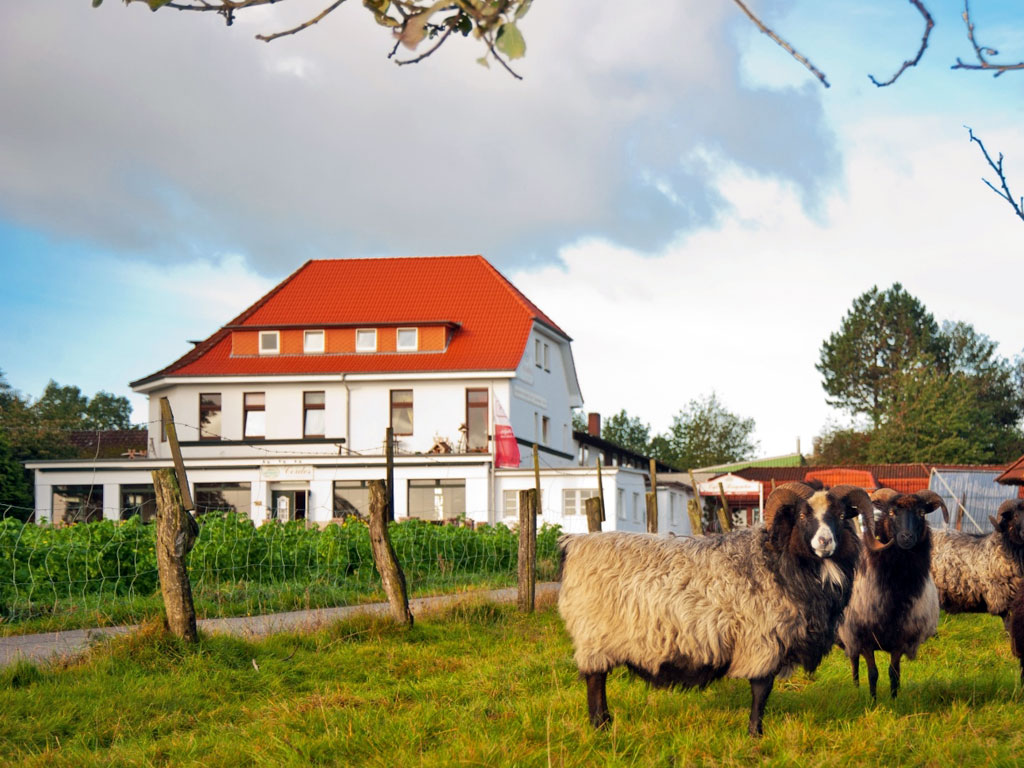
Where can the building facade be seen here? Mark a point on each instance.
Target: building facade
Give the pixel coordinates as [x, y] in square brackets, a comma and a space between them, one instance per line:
[283, 413]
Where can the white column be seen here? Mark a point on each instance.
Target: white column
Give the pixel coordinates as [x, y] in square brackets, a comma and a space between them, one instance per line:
[111, 501]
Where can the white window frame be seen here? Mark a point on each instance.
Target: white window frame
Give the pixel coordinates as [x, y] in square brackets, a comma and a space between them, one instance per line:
[510, 503]
[366, 347]
[406, 347]
[537, 352]
[308, 348]
[276, 335]
[573, 500]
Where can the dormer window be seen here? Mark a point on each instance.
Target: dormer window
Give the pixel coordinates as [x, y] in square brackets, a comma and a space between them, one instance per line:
[313, 342]
[407, 340]
[366, 340]
[270, 342]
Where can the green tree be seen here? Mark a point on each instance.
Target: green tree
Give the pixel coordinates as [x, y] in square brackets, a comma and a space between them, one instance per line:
[62, 407]
[15, 484]
[107, 411]
[883, 336]
[705, 433]
[579, 421]
[628, 431]
[841, 445]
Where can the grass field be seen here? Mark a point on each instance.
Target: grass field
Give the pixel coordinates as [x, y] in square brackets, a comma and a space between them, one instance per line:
[481, 685]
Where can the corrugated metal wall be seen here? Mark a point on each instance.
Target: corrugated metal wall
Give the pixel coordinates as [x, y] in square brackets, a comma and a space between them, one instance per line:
[976, 490]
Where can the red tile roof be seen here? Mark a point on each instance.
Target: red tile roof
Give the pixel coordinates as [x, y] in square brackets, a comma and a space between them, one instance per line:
[492, 318]
[1014, 474]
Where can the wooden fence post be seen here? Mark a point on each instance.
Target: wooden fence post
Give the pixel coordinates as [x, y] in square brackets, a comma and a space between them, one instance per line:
[724, 517]
[594, 515]
[175, 536]
[384, 555]
[527, 575]
[600, 489]
[651, 500]
[176, 532]
[694, 511]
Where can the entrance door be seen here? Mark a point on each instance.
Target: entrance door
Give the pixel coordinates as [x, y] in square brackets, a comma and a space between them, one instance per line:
[288, 505]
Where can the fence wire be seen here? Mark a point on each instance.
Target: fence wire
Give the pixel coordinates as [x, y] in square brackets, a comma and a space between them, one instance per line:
[105, 573]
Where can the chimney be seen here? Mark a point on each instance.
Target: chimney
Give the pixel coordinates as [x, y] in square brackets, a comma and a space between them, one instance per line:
[594, 424]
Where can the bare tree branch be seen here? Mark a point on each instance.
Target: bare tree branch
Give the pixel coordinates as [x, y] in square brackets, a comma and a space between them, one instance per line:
[1004, 192]
[785, 45]
[928, 24]
[982, 51]
[303, 25]
[423, 55]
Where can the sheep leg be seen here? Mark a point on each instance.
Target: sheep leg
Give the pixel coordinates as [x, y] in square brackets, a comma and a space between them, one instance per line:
[759, 689]
[869, 657]
[597, 700]
[855, 666]
[894, 674]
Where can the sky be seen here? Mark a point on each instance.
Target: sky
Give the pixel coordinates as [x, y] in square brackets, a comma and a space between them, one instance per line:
[683, 198]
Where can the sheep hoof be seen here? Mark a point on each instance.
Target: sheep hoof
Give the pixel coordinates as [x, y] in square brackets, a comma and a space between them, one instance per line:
[600, 720]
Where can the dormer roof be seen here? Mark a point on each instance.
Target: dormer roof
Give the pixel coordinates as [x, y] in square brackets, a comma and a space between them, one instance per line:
[487, 320]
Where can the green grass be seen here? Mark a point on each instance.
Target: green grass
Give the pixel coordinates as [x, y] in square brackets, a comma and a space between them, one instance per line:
[481, 685]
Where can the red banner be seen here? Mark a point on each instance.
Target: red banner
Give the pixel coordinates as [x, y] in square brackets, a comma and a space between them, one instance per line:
[506, 449]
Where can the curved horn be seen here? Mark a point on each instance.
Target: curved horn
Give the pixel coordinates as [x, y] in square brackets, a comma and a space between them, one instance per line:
[931, 497]
[779, 498]
[859, 499]
[802, 490]
[1007, 508]
[884, 494]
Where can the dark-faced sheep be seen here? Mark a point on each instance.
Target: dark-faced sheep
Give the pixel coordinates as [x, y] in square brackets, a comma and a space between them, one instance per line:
[894, 606]
[982, 574]
[683, 612]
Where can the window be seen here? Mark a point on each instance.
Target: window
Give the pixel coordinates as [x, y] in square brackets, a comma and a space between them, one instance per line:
[536, 426]
[138, 500]
[547, 357]
[401, 411]
[313, 342]
[673, 503]
[537, 352]
[222, 497]
[77, 504]
[407, 340]
[351, 498]
[510, 503]
[636, 507]
[270, 342]
[366, 340]
[313, 414]
[545, 429]
[254, 416]
[620, 504]
[437, 499]
[476, 420]
[209, 416]
[573, 500]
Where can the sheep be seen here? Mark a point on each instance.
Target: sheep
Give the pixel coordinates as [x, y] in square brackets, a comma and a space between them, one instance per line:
[983, 574]
[684, 612]
[894, 606]
[1016, 627]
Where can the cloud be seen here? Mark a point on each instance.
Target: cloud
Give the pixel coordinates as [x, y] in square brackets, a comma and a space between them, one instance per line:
[172, 137]
[743, 306]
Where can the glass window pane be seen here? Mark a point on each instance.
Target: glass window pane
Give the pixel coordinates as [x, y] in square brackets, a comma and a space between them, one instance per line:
[407, 339]
[315, 423]
[313, 398]
[313, 341]
[351, 497]
[138, 500]
[268, 341]
[366, 340]
[255, 399]
[255, 423]
[77, 504]
[209, 416]
[222, 497]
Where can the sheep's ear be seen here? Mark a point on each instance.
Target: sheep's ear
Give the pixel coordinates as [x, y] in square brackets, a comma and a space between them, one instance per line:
[995, 523]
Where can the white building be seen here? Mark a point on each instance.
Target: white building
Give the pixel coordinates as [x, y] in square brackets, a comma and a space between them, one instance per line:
[283, 411]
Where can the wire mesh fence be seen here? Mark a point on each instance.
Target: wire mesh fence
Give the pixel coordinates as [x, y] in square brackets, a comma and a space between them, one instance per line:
[105, 573]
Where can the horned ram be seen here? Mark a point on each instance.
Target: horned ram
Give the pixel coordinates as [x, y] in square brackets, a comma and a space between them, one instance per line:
[894, 606]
